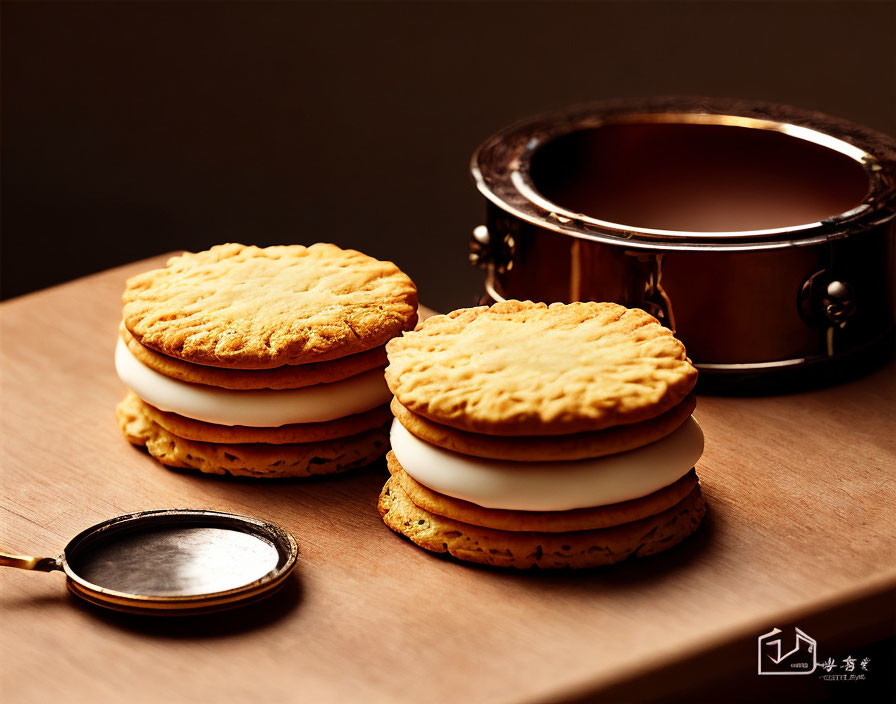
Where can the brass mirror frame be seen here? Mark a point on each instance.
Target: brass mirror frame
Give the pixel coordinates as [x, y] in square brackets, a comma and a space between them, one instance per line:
[283, 542]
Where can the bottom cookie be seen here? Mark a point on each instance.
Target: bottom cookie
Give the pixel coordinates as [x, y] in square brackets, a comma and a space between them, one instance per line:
[577, 549]
[250, 460]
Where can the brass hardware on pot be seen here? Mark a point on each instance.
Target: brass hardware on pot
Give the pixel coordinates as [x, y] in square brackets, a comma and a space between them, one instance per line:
[763, 234]
[487, 252]
[655, 300]
[838, 302]
[826, 301]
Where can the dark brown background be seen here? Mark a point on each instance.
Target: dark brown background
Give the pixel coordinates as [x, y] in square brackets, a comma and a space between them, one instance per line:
[136, 128]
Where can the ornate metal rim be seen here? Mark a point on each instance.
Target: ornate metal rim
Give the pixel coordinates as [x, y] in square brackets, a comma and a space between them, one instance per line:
[500, 169]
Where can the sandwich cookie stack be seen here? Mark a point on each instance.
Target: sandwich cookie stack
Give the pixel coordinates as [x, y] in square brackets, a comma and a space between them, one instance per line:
[528, 435]
[265, 362]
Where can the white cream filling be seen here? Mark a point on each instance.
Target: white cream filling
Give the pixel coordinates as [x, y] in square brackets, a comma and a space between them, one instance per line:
[550, 486]
[263, 408]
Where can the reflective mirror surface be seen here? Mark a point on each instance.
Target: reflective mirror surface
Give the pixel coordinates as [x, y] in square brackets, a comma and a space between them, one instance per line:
[175, 560]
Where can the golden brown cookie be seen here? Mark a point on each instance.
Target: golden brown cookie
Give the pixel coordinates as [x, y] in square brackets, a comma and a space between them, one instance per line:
[520, 368]
[243, 307]
[260, 461]
[285, 377]
[578, 549]
[191, 429]
[541, 521]
[575, 446]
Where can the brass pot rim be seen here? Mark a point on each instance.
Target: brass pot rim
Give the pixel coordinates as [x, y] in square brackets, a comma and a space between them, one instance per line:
[500, 167]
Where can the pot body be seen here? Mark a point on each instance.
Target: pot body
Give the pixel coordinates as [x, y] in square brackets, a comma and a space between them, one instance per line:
[745, 301]
[734, 310]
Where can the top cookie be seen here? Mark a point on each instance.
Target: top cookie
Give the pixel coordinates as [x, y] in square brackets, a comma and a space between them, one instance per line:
[522, 368]
[257, 308]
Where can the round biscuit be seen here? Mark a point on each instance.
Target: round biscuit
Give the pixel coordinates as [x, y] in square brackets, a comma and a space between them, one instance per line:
[575, 446]
[191, 429]
[541, 521]
[520, 368]
[577, 549]
[250, 460]
[286, 377]
[243, 307]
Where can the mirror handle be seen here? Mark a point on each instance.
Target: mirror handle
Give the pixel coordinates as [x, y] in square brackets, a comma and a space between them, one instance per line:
[22, 562]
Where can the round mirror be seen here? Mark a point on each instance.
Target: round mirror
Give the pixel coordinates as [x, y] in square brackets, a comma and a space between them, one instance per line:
[173, 561]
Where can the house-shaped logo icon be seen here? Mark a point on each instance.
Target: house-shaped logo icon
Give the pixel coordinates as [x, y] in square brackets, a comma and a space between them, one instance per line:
[775, 659]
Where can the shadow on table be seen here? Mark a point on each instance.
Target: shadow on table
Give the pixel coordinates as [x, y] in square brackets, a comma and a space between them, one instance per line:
[219, 624]
[860, 367]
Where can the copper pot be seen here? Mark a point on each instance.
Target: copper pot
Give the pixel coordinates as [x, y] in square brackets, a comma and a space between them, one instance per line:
[762, 234]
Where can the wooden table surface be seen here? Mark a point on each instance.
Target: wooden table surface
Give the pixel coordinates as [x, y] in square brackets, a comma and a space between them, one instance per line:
[801, 524]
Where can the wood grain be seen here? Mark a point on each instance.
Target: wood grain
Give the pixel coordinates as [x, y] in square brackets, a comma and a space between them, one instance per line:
[801, 491]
